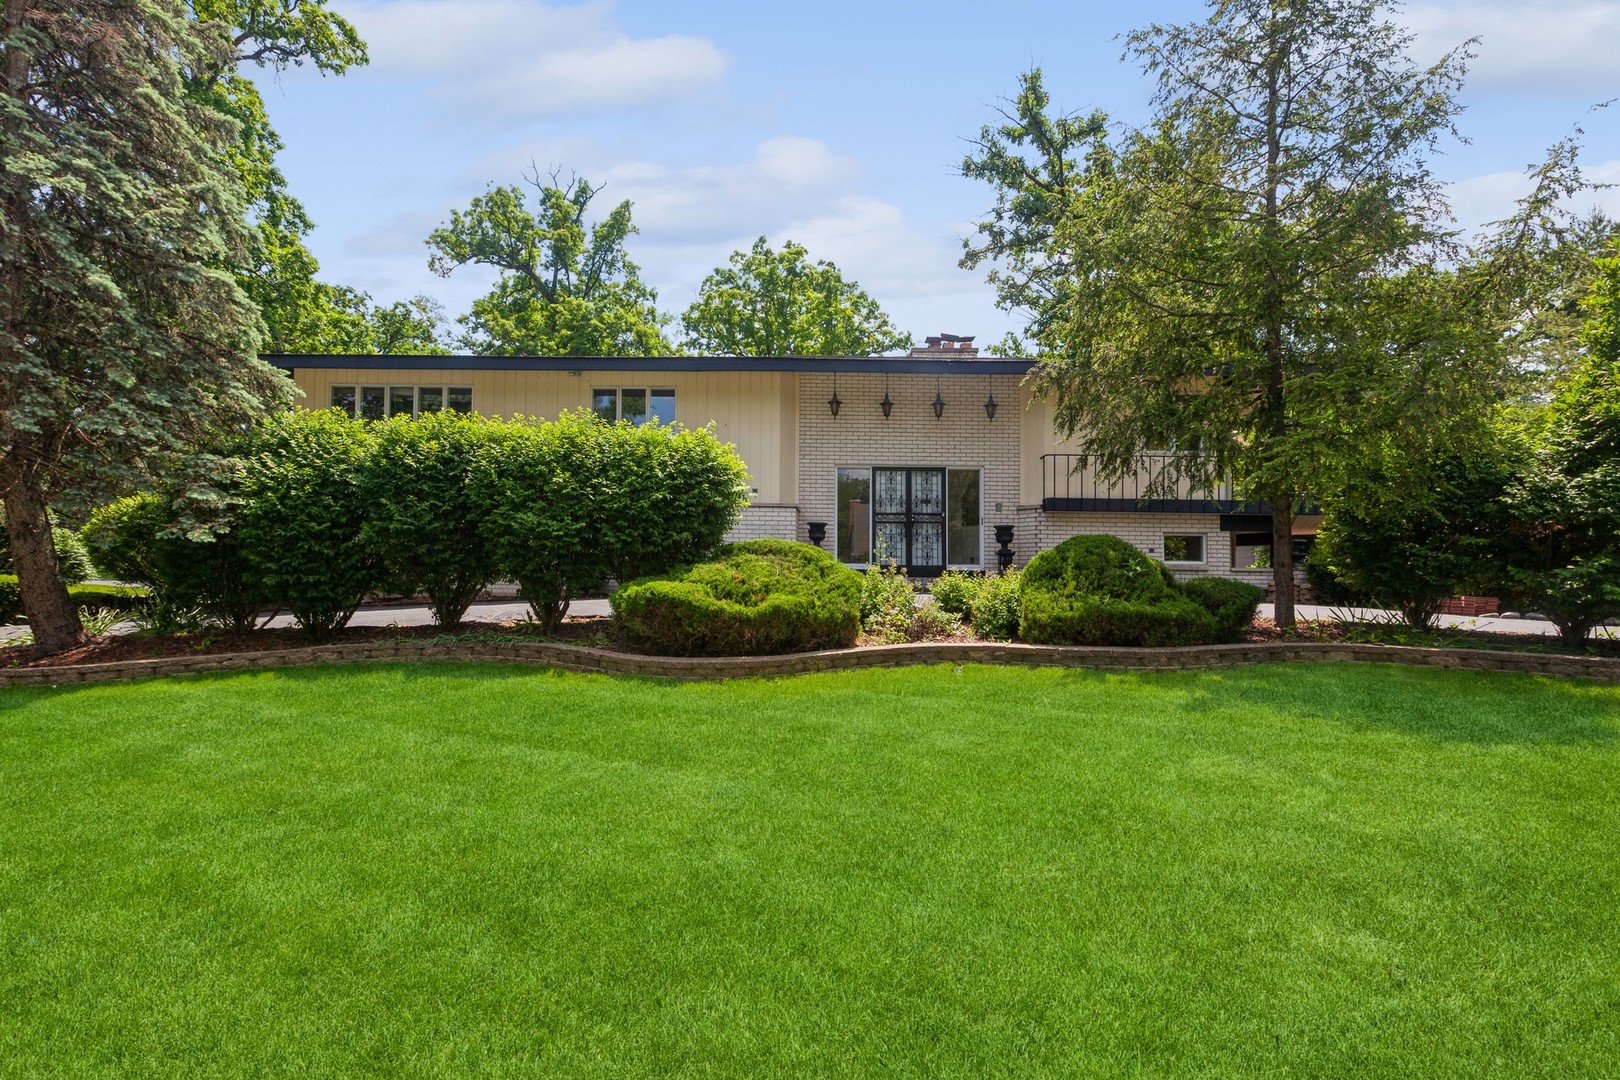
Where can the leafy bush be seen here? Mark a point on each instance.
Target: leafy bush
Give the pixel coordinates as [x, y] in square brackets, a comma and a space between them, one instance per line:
[1387, 548]
[73, 564]
[72, 561]
[531, 488]
[997, 610]
[759, 597]
[303, 513]
[422, 523]
[888, 601]
[10, 600]
[664, 496]
[955, 592]
[137, 539]
[931, 623]
[1047, 619]
[1100, 590]
[1231, 603]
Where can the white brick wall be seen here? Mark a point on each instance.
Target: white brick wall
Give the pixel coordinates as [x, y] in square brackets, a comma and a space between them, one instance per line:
[859, 437]
[763, 521]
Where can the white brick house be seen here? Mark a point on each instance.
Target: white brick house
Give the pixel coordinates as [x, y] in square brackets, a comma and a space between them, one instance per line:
[926, 481]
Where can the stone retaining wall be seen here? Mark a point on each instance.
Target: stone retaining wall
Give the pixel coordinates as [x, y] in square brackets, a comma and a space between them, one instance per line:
[579, 658]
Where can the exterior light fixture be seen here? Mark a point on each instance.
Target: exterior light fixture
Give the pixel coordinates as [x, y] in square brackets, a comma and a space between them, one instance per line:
[990, 407]
[886, 405]
[939, 406]
[833, 404]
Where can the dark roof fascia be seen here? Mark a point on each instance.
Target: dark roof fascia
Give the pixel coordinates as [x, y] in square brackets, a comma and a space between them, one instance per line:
[895, 365]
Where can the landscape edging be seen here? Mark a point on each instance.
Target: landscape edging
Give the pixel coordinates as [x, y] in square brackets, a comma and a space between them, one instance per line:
[604, 661]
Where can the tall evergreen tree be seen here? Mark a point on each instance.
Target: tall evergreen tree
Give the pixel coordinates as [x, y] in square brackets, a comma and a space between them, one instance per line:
[124, 336]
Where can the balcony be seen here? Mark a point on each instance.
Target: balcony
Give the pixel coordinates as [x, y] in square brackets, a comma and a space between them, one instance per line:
[1062, 488]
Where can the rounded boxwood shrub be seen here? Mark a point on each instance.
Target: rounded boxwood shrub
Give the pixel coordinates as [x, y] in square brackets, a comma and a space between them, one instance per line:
[1100, 590]
[1232, 603]
[759, 597]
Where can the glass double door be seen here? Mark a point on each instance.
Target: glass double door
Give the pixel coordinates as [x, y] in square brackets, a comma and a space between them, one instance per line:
[908, 519]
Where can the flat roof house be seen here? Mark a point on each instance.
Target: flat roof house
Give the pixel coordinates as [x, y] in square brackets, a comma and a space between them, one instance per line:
[919, 458]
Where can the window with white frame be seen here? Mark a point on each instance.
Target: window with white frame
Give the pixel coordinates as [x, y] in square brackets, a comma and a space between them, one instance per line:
[1184, 548]
[635, 404]
[376, 402]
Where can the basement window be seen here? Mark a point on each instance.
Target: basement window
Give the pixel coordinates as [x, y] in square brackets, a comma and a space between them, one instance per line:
[1184, 549]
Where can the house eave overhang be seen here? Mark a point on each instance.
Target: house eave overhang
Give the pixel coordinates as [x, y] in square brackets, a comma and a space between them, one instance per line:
[893, 365]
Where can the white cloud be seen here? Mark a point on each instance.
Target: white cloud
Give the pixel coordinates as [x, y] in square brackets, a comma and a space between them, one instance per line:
[511, 58]
[1480, 200]
[1527, 45]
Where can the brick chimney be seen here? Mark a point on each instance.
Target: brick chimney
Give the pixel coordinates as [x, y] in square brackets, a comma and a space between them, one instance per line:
[947, 347]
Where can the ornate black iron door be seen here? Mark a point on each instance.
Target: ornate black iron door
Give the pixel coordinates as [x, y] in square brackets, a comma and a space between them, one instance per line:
[908, 519]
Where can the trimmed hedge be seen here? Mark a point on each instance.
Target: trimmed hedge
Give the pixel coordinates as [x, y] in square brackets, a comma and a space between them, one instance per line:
[10, 599]
[1231, 603]
[1100, 590]
[760, 597]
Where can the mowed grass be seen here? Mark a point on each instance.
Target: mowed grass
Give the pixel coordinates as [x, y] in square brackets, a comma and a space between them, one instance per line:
[443, 870]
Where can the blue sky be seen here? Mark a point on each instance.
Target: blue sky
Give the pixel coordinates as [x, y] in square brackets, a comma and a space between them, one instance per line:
[839, 124]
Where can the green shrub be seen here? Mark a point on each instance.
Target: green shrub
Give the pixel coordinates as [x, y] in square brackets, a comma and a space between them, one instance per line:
[931, 623]
[422, 524]
[137, 539]
[1231, 603]
[888, 601]
[996, 612]
[532, 490]
[10, 600]
[663, 496]
[760, 597]
[302, 515]
[1049, 619]
[956, 592]
[72, 561]
[73, 564]
[1100, 590]
[1098, 567]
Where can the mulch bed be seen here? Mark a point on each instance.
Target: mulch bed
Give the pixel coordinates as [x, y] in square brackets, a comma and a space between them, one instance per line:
[595, 630]
[581, 630]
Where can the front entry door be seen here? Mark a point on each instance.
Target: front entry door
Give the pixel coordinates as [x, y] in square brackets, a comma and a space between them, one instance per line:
[908, 518]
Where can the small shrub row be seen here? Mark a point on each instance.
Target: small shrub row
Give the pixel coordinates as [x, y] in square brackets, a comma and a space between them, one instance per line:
[988, 602]
[760, 597]
[327, 509]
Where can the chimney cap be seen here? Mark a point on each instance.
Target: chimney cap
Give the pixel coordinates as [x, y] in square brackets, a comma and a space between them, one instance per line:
[954, 344]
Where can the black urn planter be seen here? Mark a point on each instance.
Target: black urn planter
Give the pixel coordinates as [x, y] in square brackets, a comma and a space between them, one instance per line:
[817, 531]
[1004, 556]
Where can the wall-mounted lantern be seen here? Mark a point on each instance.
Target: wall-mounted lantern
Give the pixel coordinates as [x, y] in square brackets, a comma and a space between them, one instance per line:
[939, 406]
[833, 404]
[886, 405]
[990, 407]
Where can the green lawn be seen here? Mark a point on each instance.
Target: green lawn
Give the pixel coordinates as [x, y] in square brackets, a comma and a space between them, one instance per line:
[1323, 870]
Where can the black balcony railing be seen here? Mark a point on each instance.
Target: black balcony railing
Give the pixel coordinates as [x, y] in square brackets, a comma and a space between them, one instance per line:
[1153, 488]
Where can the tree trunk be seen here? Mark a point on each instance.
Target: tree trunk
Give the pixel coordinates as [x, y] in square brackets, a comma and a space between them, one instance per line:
[51, 614]
[1282, 557]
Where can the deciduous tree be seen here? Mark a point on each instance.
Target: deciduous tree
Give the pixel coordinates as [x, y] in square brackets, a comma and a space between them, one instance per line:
[779, 303]
[567, 288]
